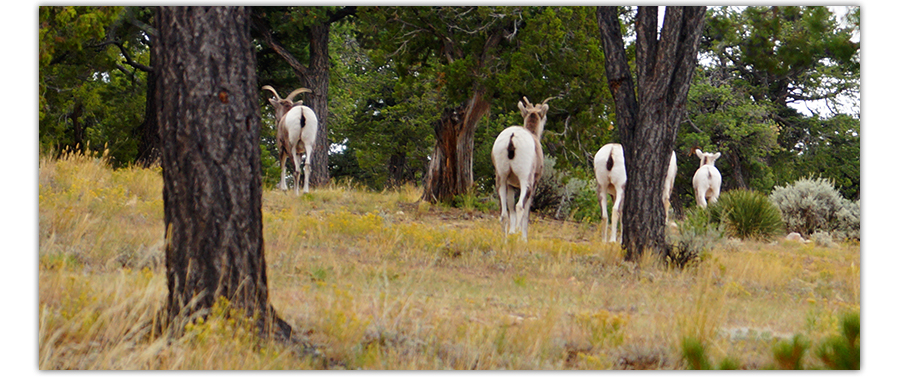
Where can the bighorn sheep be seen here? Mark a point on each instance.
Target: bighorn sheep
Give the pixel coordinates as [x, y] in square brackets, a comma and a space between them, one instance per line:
[707, 180]
[518, 160]
[296, 126]
[609, 169]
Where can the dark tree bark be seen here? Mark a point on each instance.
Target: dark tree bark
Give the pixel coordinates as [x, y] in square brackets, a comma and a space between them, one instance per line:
[209, 126]
[317, 79]
[148, 132]
[450, 171]
[648, 121]
[77, 128]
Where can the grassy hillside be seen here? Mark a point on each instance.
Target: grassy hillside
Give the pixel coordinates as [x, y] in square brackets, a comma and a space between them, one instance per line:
[379, 281]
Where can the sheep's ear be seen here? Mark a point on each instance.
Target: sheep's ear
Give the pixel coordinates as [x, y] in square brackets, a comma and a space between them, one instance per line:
[522, 109]
[544, 108]
[716, 156]
[699, 153]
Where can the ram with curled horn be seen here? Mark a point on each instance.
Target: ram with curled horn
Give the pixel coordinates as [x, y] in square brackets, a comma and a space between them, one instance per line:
[296, 128]
[518, 160]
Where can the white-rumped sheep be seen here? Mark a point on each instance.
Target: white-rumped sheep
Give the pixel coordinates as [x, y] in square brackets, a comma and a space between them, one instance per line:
[296, 128]
[609, 169]
[707, 180]
[518, 160]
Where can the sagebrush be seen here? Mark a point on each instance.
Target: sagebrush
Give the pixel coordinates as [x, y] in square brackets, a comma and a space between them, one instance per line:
[811, 205]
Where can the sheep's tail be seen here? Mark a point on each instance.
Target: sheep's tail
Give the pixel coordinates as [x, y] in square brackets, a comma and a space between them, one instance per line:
[302, 119]
[610, 162]
[511, 148]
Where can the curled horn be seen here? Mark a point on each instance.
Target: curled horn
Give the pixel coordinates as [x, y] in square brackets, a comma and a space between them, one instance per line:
[267, 87]
[294, 93]
[547, 100]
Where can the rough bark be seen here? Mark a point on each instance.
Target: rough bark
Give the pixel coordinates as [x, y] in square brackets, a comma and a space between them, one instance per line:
[317, 79]
[148, 131]
[450, 171]
[209, 126]
[648, 121]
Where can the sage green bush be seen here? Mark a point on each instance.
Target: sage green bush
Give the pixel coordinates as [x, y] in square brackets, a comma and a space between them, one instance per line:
[811, 205]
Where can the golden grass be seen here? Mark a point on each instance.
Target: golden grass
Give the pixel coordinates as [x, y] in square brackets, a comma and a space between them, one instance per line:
[379, 281]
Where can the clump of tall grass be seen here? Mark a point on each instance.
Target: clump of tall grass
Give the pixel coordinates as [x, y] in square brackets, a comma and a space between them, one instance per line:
[747, 214]
[697, 235]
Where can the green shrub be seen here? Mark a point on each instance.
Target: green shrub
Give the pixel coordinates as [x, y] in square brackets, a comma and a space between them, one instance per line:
[848, 221]
[550, 194]
[583, 205]
[789, 354]
[810, 205]
[843, 352]
[747, 214]
[698, 233]
[561, 194]
[694, 355]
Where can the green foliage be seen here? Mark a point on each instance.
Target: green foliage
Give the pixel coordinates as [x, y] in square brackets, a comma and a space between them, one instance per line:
[698, 234]
[693, 353]
[722, 118]
[86, 95]
[566, 195]
[810, 205]
[789, 354]
[779, 57]
[583, 205]
[747, 214]
[843, 351]
[550, 191]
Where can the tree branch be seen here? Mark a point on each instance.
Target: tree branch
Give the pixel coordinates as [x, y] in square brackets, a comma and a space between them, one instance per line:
[262, 27]
[344, 12]
[125, 54]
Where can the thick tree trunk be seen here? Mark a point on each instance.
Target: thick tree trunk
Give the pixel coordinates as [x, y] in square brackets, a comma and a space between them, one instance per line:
[450, 171]
[648, 122]
[317, 78]
[148, 132]
[77, 129]
[209, 126]
[397, 169]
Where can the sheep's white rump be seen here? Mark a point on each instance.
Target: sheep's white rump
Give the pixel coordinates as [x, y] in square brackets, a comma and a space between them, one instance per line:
[707, 179]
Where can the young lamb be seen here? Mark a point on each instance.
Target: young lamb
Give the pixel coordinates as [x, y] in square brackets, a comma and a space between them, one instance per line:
[609, 169]
[296, 126]
[707, 180]
[518, 160]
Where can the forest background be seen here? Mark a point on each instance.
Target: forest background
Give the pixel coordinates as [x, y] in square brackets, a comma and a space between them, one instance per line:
[21, 216]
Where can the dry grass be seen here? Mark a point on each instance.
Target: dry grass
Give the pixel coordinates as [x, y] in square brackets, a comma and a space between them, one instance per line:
[379, 281]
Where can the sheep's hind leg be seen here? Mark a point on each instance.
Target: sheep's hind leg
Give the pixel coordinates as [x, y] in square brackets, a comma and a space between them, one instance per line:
[504, 214]
[283, 183]
[296, 173]
[513, 224]
[307, 166]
